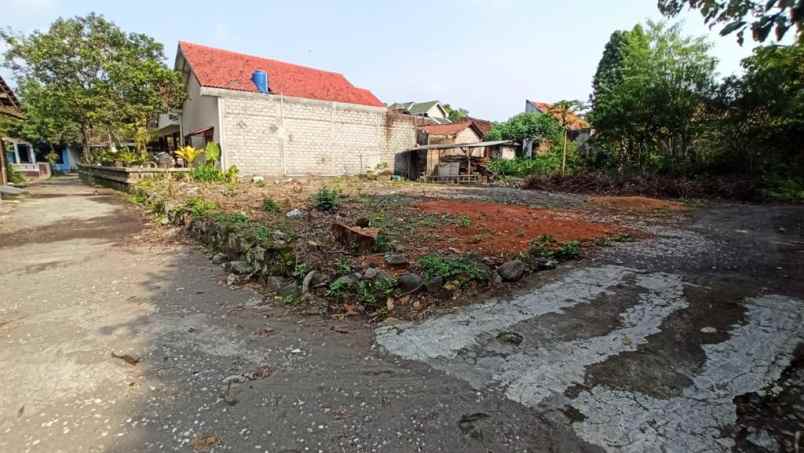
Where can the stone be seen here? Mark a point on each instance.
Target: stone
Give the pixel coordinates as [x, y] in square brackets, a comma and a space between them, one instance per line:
[295, 214]
[363, 222]
[708, 329]
[345, 280]
[240, 267]
[512, 271]
[542, 264]
[313, 279]
[279, 235]
[219, 258]
[234, 379]
[409, 282]
[509, 337]
[396, 259]
[763, 439]
[257, 179]
[370, 273]
[361, 240]
[232, 279]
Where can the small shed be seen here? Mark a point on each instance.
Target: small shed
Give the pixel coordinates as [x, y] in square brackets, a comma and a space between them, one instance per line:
[452, 162]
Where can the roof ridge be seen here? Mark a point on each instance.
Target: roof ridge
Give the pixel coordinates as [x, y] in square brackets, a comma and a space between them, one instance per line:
[218, 49]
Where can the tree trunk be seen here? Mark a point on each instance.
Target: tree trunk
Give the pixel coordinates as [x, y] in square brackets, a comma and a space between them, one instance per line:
[85, 144]
[564, 155]
[3, 177]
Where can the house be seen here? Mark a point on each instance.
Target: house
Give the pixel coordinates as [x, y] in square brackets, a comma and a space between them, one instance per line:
[432, 110]
[18, 153]
[439, 134]
[275, 118]
[576, 125]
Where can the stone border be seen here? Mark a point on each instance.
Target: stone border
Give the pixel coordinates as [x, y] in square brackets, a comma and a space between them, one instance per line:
[122, 178]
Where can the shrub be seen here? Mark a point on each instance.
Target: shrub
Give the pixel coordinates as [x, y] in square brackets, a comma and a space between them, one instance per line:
[270, 206]
[189, 154]
[13, 176]
[546, 246]
[200, 207]
[462, 269]
[210, 173]
[326, 199]
[540, 165]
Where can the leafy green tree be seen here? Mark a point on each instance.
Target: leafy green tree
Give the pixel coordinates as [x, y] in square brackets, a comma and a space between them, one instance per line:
[649, 115]
[100, 77]
[46, 118]
[766, 15]
[527, 125]
[759, 118]
[609, 69]
[455, 114]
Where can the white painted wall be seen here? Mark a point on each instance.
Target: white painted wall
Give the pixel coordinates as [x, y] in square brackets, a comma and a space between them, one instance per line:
[199, 111]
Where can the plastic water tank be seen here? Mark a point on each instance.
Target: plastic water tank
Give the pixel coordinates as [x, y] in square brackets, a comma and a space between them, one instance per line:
[260, 79]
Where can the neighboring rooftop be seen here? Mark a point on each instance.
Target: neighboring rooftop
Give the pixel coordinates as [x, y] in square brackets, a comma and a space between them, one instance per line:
[573, 121]
[9, 104]
[450, 129]
[218, 68]
[420, 109]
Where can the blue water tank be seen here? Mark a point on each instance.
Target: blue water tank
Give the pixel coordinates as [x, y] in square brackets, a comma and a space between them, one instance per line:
[260, 79]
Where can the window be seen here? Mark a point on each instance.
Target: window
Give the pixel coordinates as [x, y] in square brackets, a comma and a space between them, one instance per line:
[24, 151]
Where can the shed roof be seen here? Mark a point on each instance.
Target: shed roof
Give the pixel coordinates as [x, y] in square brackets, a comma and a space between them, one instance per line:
[218, 68]
[450, 129]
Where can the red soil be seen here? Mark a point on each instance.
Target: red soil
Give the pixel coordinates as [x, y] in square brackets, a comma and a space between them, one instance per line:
[500, 229]
[636, 203]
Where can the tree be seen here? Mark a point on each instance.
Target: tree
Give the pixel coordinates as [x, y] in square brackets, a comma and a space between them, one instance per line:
[98, 76]
[649, 115]
[609, 69]
[46, 117]
[566, 113]
[767, 15]
[455, 114]
[526, 125]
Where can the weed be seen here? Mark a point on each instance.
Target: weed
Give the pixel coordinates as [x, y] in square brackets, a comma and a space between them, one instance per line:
[463, 269]
[300, 271]
[372, 292]
[291, 299]
[465, 221]
[338, 288]
[344, 266]
[270, 206]
[200, 207]
[232, 218]
[547, 246]
[326, 199]
[262, 233]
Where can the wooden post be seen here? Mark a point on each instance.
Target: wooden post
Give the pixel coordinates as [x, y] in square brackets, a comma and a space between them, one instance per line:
[3, 177]
[564, 154]
[468, 161]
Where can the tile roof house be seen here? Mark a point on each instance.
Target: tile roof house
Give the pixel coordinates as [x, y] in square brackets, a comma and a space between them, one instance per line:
[276, 118]
[430, 109]
[19, 153]
[574, 122]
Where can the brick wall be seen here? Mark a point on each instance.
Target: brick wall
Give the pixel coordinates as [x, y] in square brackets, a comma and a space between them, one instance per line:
[268, 135]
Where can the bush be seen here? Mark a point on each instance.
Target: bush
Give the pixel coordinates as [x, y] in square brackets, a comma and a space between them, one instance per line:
[13, 176]
[326, 199]
[540, 165]
[199, 207]
[211, 173]
[462, 269]
[231, 218]
[546, 246]
[270, 206]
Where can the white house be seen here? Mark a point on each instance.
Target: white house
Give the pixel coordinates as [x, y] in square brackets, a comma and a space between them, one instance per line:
[275, 118]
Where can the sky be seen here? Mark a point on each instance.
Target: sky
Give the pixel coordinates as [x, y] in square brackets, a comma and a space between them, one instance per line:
[485, 56]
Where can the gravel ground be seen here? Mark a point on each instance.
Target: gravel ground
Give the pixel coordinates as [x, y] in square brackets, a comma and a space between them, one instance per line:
[113, 344]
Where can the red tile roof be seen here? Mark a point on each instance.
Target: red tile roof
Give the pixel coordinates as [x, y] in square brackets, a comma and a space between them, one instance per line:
[573, 121]
[448, 129]
[218, 68]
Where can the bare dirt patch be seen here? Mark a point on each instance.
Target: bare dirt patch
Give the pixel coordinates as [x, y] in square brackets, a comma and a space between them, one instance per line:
[500, 229]
[637, 204]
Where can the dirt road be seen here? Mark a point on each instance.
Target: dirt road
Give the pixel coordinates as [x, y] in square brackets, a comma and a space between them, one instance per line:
[113, 344]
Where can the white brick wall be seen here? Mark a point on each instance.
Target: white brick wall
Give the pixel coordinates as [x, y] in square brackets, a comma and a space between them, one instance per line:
[271, 136]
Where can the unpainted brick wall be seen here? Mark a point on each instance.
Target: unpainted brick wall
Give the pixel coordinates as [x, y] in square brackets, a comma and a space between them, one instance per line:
[271, 136]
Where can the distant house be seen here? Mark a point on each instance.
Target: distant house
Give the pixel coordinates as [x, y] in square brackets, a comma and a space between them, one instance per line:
[439, 134]
[577, 126]
[18, 153]
[432, 110]
[277, 118]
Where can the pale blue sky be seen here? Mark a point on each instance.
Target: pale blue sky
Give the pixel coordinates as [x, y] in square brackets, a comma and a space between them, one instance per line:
[486, 56]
